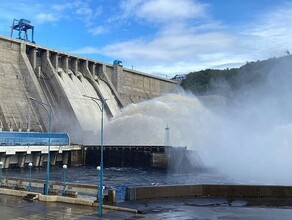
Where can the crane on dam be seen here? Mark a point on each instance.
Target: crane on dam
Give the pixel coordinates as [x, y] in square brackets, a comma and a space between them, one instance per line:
[22, 26]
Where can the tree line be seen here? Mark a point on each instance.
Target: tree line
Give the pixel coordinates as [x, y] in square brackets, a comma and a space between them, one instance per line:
[227, 82]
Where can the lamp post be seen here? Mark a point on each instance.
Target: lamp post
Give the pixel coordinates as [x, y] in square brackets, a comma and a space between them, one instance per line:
[46, 106]
[64, 178]
[1, 166]
[98, 189]
[29, 184]
[101, 108]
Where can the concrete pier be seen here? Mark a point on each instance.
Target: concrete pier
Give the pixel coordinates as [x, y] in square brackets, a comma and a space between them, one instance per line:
[177, 159]
[21, 159]
[20, 156]
[36, 159]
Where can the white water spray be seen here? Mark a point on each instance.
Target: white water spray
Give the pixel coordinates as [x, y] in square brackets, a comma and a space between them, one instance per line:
[248, 139]
[144, 123]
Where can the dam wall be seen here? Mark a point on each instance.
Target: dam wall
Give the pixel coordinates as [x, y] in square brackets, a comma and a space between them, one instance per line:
[134, 86]
[61, 80]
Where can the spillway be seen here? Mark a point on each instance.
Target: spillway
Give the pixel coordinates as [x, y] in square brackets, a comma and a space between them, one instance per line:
[60, 80]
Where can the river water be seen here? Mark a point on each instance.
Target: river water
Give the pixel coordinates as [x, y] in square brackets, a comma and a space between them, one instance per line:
[122, 177]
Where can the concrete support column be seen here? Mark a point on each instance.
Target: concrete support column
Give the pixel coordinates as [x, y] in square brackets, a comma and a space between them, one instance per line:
[53, 158]
[118, 76]
[6, 162]
[91, 67]
[76, 158]
[65, 157]
[100, 71]
[21, 159]
[158, 160]
[36, 157]
[74, 65]
[2, 158]
[55, 60]
[32, 57]
[65, 63]
[84, 69]
[42, 158]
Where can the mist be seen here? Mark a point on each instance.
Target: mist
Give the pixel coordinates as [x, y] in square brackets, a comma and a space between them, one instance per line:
[246, 137]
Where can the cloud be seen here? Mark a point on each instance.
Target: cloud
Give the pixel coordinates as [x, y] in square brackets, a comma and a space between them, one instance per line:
[11, 10]
[174, 49]
[272, 33]
[164, 11]
[169, 10]
[47, 17]
[62, 7]
[189, 38]
[128, 7]
[175, 40]
[81, 10]
[166, 48]
[87, 50]
[98, 30]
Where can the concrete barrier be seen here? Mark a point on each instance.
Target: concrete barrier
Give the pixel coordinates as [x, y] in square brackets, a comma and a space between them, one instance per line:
[18, 183]
[56, 198]
[190, 191]
[70, 193]
[156, 192]
[56, 188]
[12, 192]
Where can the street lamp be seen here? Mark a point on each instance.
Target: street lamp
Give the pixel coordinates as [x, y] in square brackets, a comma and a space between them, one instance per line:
[98, 189]
[46, 106]
[1, 166]
[29, 184]
[64, 178]
[101, 108]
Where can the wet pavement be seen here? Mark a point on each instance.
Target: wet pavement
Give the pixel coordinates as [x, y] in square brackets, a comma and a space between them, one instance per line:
[12, 207]
[211, 209]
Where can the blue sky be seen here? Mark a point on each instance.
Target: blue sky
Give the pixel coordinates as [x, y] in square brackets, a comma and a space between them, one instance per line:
[162, 37]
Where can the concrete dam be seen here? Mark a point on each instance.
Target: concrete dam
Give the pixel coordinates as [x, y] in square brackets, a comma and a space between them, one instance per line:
[61, 80]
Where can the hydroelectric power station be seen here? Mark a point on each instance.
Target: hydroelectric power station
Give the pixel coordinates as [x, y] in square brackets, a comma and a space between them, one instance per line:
[31, 72]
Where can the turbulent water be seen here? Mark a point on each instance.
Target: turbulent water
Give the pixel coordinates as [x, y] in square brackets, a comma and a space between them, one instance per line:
[120, 177]
[144, 123]
[246, 137]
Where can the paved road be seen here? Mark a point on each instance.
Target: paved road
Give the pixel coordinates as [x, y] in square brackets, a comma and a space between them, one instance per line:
[208, 209]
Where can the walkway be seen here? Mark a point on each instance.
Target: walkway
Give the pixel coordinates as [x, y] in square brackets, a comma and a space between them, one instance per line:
[208, 209]
[13, 207]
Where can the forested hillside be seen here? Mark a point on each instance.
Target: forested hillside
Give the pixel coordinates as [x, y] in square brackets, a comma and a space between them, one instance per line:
[228, 82]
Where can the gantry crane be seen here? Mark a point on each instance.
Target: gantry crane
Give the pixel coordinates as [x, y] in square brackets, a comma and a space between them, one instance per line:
[22, 26]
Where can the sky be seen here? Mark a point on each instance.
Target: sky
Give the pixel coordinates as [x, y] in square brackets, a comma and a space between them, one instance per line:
[160, 37]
